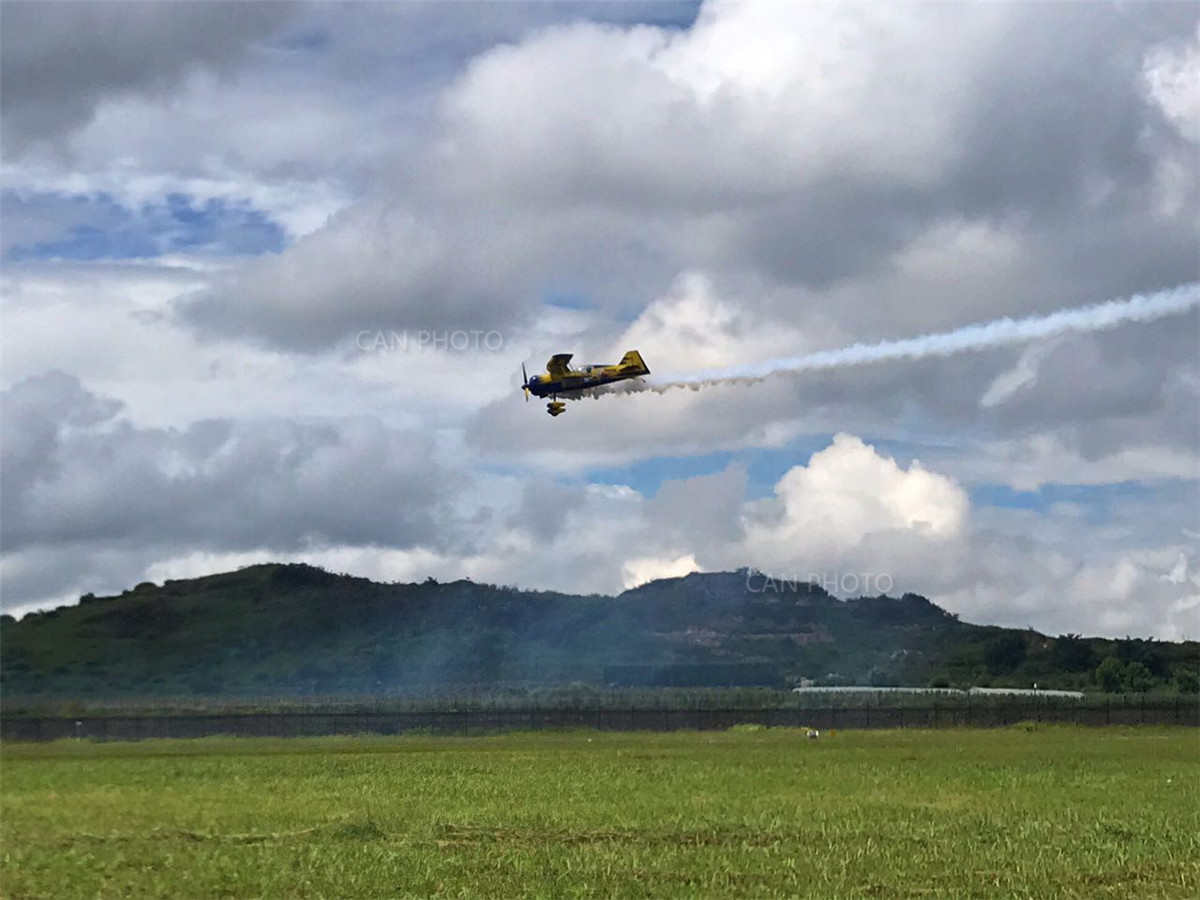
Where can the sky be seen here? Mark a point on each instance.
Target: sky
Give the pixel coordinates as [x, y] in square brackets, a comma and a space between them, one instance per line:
[270, 271]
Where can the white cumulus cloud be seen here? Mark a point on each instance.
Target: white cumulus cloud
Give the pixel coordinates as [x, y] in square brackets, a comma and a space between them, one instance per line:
[847, 494]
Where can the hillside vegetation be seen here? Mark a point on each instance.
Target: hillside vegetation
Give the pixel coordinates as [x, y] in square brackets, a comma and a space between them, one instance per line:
[296, 629]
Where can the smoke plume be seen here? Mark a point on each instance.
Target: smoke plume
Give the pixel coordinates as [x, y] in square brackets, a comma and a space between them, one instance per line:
[999, 333]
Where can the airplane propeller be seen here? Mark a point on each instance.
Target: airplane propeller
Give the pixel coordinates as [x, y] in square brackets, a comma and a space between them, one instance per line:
[524, 382]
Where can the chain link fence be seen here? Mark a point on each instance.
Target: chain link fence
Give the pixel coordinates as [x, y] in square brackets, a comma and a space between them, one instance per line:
[481, 719]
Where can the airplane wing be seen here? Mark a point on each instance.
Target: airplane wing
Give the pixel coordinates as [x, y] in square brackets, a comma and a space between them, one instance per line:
[557, 366]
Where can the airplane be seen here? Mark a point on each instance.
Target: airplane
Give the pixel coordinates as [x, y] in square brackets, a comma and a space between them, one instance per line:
[560, 378]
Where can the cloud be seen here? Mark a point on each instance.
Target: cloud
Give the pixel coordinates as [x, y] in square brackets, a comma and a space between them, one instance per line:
[259, 116]
[60, 61]
[50, 226]
[1022, 375]
[545, 508]
[1026, 569]
[849, 497]
[850, 515]
[1171, 74]
[1117, 405]
[975, 337]
[427, 263]
[705, 512]
[854, 173]
[723, 112]
[1048, 458]
[817, 140]
[715, 185]
[644, 569]
[109, 323]
[854, 517]
[34, 418]
[696, 326]
[77, 473]
[373, 267]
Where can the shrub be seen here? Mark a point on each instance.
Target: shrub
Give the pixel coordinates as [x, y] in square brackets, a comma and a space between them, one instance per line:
[1004, 653]
[1071, 653]
[1138, 679]
[1110, 675]
[1187, 681]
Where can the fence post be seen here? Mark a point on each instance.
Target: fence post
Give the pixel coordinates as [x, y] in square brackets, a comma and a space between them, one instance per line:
[1107, 711]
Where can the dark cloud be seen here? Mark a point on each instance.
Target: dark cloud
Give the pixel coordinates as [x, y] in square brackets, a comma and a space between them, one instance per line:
[1059, 108]
[1004, 160]
[49, 574]
[58, 61]
[390, 266]
[1133, 375]
[703, 511]
[371, 268]
[35, 415]
[545, 507]
[76, 472]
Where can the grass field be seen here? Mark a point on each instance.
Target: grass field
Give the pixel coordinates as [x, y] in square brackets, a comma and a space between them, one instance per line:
[1045, 812]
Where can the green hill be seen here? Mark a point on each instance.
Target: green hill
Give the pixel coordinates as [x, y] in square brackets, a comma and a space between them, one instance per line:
[299, 630]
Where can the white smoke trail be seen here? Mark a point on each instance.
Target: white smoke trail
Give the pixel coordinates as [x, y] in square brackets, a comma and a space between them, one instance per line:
[999, 333]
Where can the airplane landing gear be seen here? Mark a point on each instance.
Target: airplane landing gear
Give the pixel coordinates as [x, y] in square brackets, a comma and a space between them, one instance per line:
[556, 407]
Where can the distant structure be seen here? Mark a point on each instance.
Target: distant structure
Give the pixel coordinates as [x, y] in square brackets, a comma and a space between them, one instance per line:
[1025, 692]
[977, 691]
[866, 689]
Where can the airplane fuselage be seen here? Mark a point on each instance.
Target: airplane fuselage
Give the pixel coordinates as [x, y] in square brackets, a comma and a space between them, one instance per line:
[576, 380]
[561, 380]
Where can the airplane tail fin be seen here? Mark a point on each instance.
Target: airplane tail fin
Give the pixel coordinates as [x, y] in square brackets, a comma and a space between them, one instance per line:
[633, 360]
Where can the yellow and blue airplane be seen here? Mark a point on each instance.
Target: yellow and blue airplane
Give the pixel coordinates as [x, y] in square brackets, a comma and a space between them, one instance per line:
[561, 380]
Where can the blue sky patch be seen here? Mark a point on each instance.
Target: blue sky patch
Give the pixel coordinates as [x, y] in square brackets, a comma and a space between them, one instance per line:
[1097, 499]
[763, 468]
[1098, 504]
[57, 226]
[568, 300]
[674, 14]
